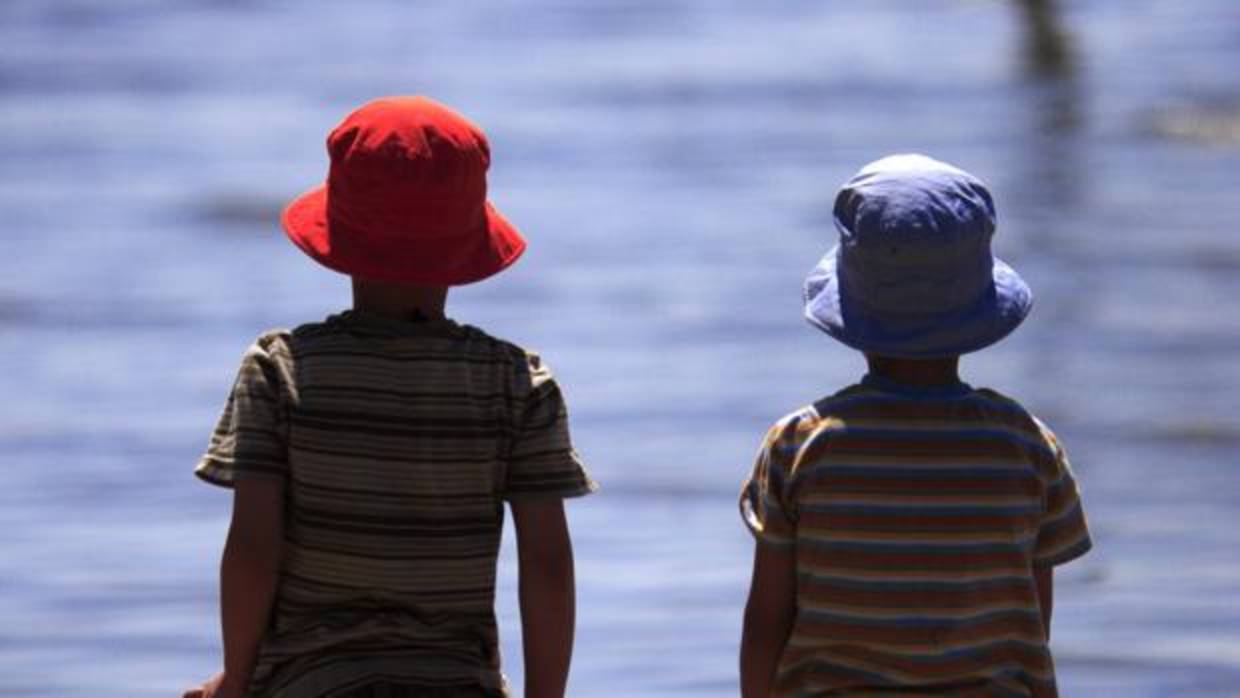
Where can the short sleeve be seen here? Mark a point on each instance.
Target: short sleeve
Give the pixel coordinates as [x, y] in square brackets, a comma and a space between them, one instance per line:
[541, 460]
[1063, 533]
[765, 505]
[250, 439]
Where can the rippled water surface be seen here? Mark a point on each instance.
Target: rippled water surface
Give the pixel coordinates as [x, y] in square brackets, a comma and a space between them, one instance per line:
[673, 164]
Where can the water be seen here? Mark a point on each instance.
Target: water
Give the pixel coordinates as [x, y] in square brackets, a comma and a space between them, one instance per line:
[673, 164]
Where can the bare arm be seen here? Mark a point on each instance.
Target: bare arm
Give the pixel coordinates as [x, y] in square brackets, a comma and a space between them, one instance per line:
[548, 595]
[768, 618]
[1044, 577]
[249, 573]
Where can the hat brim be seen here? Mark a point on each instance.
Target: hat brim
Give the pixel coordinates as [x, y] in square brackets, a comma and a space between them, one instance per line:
[491, 247]
[916, 336]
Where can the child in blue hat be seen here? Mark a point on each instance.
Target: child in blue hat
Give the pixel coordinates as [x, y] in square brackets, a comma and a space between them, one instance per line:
[907, 526]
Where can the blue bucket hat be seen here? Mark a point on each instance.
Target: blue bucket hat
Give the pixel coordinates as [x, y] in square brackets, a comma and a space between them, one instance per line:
[913, 275]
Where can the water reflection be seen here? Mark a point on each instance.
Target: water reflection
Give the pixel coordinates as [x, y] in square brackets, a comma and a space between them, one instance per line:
[1048, 49]
[1206, 123]
[1051, 182]
[1054, 100]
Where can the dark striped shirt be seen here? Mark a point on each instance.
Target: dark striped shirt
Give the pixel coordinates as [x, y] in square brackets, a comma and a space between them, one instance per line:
[917, 518]
[397, 443]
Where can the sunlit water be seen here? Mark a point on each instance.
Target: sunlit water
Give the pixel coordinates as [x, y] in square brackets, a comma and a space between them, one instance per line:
[673, 164]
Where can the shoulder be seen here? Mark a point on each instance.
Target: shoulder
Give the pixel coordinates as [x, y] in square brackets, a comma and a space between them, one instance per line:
[272, 342]
[1003, 408]
[1000, 401]
[267, 361]
[845, 402]
[824, 415]
[268, 349]
[500, 347]
[484, 342]
[529, 369]
[787, 428]
[1023, 424]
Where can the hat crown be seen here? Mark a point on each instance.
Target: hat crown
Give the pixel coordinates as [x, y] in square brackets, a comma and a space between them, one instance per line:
[914, 235]
[413, 145]
[403, 166]
[914, 201]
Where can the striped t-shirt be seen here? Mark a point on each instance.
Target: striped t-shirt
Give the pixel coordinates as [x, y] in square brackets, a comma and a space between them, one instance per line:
[916, 518]
[397, 443]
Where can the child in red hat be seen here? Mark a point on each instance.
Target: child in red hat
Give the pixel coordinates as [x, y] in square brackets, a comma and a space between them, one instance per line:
[371, 453]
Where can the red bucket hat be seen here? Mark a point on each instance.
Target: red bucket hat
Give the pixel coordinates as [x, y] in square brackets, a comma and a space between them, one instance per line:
[405, 199]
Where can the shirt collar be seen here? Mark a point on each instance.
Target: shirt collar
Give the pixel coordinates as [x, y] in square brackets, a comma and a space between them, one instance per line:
[886, 385]
[373, 324]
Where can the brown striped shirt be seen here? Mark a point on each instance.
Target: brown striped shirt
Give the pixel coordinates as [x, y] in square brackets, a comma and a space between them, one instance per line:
[917, 518]
[397, 443]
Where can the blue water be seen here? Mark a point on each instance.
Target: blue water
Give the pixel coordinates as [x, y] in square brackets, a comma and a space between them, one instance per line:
[673, 163]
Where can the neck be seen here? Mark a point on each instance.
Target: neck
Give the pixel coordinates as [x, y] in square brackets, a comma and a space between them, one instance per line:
[399, 301]
[916, 372]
